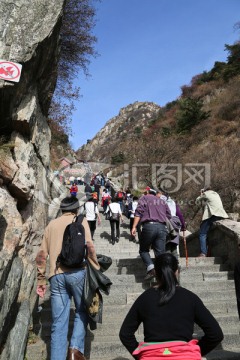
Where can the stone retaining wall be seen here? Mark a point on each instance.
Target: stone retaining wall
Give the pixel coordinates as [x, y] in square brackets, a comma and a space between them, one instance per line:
[224, 240]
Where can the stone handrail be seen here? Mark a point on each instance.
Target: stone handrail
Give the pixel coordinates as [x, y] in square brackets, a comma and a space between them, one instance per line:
[223, 239]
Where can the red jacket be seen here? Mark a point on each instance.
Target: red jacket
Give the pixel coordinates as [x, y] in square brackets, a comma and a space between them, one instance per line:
[73, 189]
[170, 350]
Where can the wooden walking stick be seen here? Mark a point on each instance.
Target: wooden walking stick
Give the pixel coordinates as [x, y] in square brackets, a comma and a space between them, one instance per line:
[185, 247]
[184, 237]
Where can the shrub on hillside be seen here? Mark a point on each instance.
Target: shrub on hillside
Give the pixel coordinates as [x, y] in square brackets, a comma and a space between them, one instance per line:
[137, 130]
[189, 114]
[233, 63]
[166, 131]
[118, 158]
[224, 70]
[170, 104]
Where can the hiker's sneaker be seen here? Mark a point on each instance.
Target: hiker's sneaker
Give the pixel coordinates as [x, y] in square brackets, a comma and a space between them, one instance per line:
[150, 275]
[202, 255]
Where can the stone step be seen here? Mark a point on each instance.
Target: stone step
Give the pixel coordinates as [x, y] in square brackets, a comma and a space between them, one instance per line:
[207, 277]
[212, 276]
[192, 261]
[137, 269]
[214, 355]
[102, 348]
[217, 308]
[115, 347]
[137, 262]
[232, 354]
[202, 293]
[110, 329]
[228, 306]
[186, 280]
[207, 285]
[113, 320]
[134, 282]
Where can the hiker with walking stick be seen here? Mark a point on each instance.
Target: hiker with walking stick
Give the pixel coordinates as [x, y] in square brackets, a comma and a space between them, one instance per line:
[174, 225]
[185, 247]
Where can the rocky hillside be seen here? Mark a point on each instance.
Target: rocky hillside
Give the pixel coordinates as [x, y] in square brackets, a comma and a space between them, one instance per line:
[108, 142]
[182, 146]
[29, 36]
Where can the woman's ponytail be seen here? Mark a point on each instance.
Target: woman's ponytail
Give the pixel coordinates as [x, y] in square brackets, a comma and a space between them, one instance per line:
[166, 266]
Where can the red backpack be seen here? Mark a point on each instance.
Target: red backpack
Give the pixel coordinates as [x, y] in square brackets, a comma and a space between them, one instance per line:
[120, 195]
[95, 196]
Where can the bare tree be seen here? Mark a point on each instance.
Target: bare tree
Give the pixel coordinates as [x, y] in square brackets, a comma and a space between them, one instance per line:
[77, 47]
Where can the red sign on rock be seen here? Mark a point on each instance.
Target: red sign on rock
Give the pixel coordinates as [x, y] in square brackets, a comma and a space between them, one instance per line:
[10, 71]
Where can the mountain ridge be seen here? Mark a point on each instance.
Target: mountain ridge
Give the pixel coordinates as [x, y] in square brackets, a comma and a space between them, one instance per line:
[135, 115]
[200, 128]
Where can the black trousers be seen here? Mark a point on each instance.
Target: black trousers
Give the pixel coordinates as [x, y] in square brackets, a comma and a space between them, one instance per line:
[114, 225]
[92, 225]
[237, 284]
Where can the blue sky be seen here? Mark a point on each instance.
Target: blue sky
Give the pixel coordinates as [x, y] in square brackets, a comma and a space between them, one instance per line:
[148, 50]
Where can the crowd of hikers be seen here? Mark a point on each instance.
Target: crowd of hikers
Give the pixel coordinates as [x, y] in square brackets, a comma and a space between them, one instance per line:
[122, 204]
[142, 212]
[155, 221]
[153, 216]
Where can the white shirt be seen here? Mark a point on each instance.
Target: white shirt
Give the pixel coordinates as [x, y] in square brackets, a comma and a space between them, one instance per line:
[114, 208]
[91, 210]
[134, 206]
[172, 206]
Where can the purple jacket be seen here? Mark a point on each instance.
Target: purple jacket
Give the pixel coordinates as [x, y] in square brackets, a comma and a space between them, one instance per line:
[180, 215]
[152, 208]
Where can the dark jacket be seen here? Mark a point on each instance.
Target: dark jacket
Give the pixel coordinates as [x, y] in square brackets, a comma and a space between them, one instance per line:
[173, 226]
[95, 282]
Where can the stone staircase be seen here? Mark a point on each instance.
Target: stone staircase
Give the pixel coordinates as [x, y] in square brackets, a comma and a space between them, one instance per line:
[207, 277]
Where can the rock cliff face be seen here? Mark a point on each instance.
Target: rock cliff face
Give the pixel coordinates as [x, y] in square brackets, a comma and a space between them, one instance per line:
[29, 35]
[132, 119]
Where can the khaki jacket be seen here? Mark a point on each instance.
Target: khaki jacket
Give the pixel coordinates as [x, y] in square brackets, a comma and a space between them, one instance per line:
[212, 205]
[52, 244]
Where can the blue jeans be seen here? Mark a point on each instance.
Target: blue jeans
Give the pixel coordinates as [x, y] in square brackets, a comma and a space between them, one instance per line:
[121, 205]
[204, 227]
[152, 235]
[63, 287]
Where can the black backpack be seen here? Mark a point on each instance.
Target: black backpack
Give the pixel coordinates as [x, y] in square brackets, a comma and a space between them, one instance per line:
[74, 249]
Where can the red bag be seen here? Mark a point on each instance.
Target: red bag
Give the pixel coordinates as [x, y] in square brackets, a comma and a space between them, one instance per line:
[120, 195]
[170, 350]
